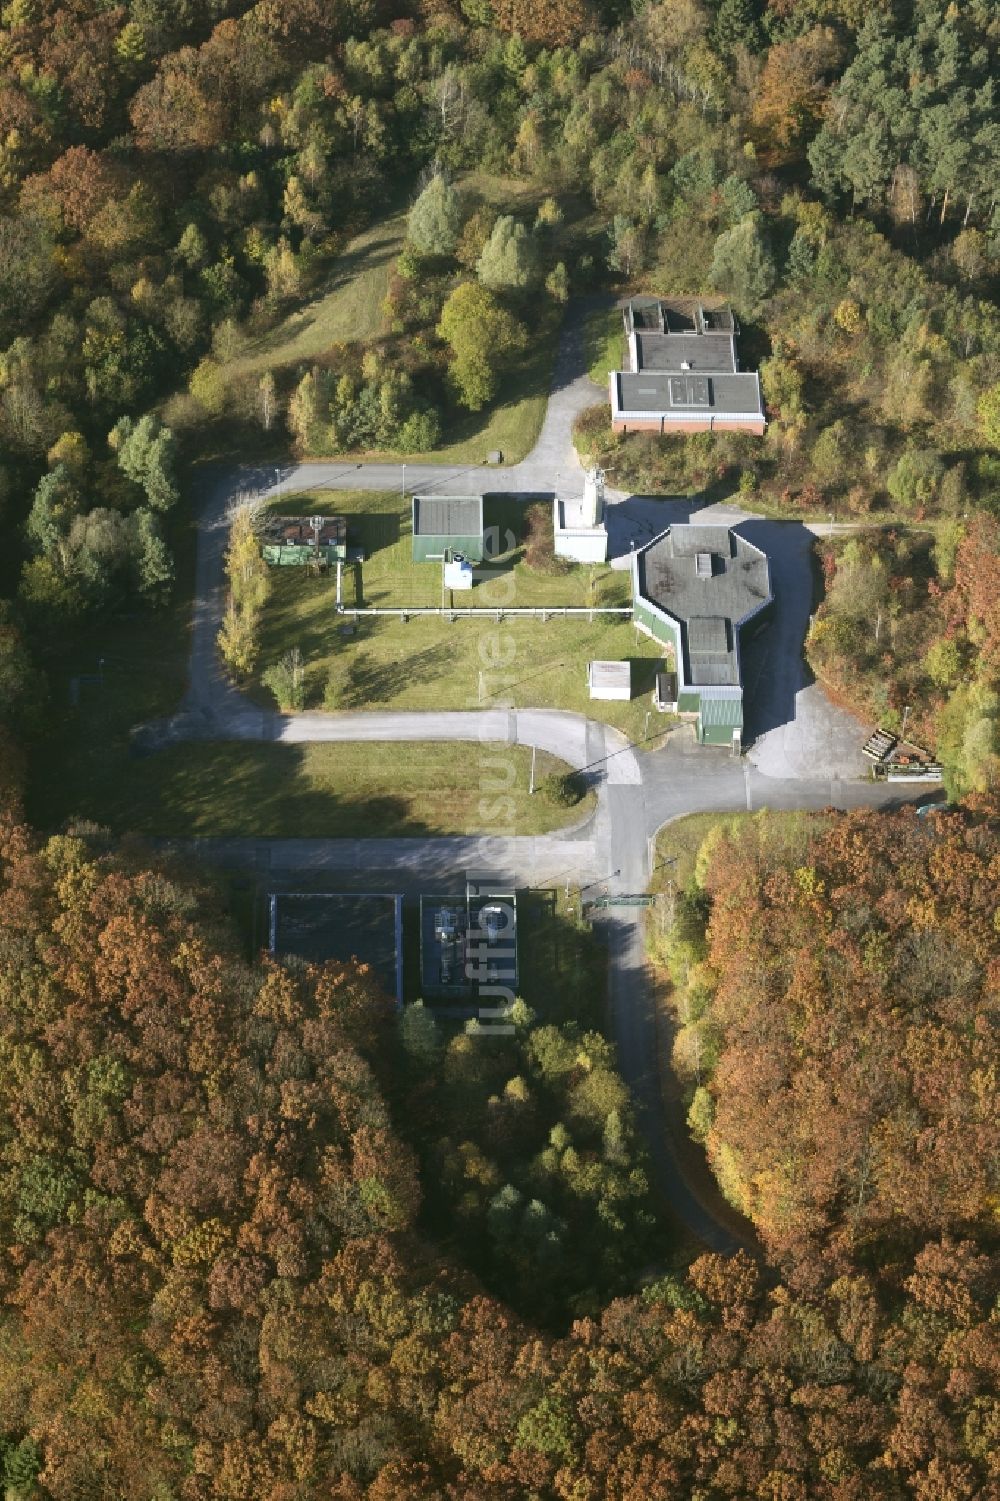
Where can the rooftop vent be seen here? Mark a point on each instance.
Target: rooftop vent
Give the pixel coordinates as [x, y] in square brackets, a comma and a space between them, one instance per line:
[703, 565]
[685, 364]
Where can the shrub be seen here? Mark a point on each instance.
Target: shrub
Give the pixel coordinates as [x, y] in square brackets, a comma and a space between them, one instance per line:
[562, 789]
[592, 433]
[208, 387]
[286, 680]
[916, 478]
[420, 432]
[333, 688]
[539, 542]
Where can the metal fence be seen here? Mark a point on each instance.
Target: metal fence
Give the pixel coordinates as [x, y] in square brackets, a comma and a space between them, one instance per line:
[493, 611]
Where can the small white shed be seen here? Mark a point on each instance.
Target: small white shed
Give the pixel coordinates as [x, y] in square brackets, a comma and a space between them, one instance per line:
[610, 680]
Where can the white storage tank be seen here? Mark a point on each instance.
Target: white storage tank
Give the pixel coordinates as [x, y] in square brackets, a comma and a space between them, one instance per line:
[458, 573]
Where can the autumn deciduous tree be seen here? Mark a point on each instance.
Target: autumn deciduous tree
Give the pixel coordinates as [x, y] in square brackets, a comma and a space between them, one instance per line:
[856, 1015]
[249, 586]
[789, 97]
[79, 184]
[215, 1287]
[977, 589]
[192, 1152]
[175, 113]
[553, 23]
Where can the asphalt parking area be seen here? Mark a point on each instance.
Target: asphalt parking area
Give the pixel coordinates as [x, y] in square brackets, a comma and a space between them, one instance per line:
[793, 730]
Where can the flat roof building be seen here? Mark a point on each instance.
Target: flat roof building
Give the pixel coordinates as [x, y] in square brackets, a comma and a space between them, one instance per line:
[696, 588]
[682, 371]
[578, 529]
[446, 525]
[362, 926]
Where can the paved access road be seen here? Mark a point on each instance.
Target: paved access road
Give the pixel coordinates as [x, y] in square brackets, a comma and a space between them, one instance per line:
[805, 752]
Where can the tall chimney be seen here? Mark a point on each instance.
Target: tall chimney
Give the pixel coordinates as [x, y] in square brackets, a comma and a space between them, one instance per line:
[593, 496]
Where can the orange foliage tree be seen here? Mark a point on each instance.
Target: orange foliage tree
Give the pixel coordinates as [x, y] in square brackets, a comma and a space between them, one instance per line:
[856, 1010]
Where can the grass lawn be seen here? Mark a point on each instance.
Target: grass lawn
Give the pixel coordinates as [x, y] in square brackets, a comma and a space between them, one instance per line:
[84, 768]
[431, 662]
[679, 842]
[76, 770]
[349, 306]
[562, 962]
[382, 525]
[604, 344]
[315, 791]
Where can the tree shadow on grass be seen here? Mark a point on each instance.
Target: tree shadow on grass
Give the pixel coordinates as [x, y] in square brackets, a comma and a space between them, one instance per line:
[263, 792]
[373, 530]
[375, 681]
[562, 961]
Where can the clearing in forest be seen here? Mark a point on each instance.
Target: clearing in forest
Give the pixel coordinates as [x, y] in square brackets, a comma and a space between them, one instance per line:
[433, 662]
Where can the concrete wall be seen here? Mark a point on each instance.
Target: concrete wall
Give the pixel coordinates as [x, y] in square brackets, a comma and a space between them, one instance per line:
[590, 546]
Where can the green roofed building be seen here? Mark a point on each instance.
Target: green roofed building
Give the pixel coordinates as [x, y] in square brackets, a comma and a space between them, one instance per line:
[696, 589]
[446, 526]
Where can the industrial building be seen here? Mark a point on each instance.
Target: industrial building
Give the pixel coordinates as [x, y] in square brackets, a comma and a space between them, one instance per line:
[682, 371]
[468, 946]
[295, 541]
[448, 528]
[696, 589]
[319, 926]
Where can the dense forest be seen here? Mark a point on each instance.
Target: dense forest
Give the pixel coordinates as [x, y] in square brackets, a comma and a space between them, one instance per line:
[216, 1280]
[259, 1236]
[176, 180]
[839, 998]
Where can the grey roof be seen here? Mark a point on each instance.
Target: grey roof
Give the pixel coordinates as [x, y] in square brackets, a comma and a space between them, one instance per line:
[709, 607]
[447, 515]
[704, 352]
[679, 315]
[658, 391]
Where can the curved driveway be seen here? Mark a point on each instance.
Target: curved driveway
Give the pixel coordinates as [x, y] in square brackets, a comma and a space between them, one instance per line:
[637, 791]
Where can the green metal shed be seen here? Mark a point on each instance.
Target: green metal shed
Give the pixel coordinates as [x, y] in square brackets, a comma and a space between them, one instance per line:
[718, 718]
[446, 525]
